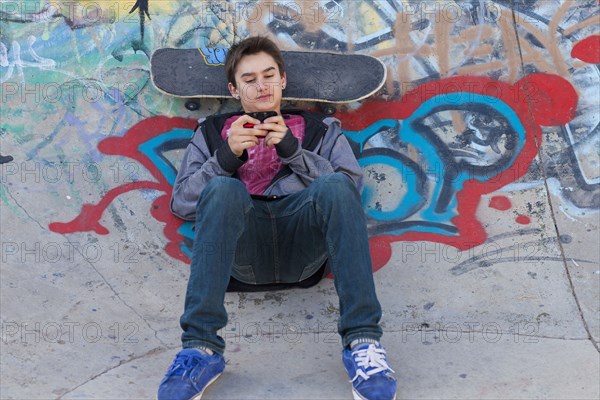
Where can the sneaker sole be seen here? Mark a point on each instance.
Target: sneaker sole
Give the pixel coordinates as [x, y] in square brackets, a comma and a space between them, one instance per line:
[357, 395]
[199, 395]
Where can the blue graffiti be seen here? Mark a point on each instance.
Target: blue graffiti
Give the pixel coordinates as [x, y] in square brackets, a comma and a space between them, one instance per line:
[154, 149]
[214, 55]
[433, 161]
[187, 231]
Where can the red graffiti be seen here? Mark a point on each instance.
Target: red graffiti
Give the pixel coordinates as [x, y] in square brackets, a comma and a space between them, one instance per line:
[588, 50]
[538, 99]
[89, 217]
[523, 220]
[501, 203]
[128, 145]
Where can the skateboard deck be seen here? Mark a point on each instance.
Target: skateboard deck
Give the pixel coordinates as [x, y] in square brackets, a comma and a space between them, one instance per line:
[311, 76]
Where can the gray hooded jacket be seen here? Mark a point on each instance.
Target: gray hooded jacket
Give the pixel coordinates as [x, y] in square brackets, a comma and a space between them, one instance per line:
[324, 150]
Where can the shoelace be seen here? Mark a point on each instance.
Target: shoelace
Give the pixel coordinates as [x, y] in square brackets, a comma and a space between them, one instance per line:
[183, 364]
[371, 361]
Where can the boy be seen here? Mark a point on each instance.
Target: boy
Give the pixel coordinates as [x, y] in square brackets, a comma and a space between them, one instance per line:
[272, 201]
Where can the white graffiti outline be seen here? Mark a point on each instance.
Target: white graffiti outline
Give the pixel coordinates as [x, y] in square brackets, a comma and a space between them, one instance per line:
[18, 63]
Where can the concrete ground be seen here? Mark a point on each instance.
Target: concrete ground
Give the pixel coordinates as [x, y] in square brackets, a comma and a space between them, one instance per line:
[514, 318]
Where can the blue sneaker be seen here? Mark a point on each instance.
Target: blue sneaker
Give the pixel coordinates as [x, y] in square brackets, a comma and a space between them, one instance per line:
[191, 372]
[371, 377]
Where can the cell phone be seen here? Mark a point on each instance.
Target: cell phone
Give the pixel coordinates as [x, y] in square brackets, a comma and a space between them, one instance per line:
[261, 116]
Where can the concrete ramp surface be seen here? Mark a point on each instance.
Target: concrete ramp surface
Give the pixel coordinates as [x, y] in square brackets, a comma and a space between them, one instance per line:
[481, 158]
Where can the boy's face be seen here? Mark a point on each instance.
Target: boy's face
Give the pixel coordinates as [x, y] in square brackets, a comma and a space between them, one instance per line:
[258, 83]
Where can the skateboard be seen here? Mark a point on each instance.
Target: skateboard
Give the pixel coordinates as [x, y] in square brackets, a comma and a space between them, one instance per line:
[311, 76]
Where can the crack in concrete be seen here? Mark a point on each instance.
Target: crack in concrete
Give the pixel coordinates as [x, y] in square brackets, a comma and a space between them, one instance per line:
[548, 194]
[91, 265]
[24, 209]
[116, 293]
[154, 351]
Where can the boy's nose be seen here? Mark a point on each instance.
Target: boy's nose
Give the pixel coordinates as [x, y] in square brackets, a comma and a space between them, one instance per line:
[263, 85]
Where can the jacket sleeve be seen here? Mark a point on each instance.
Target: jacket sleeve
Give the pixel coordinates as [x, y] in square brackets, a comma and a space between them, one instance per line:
[197, 168]
[335, 155]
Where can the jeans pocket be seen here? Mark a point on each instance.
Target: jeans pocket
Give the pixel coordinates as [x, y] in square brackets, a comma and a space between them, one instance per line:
[312, 268]
[244, 273]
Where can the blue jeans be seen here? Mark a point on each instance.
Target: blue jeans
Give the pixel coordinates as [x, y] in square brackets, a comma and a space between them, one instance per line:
[280, 241]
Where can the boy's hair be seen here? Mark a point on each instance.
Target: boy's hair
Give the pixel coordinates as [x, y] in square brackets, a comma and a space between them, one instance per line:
[249, 46]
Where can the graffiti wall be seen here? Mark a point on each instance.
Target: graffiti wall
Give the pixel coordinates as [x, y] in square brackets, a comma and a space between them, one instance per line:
[480, 96]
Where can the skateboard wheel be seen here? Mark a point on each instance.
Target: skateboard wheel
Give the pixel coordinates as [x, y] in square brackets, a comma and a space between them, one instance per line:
[192, 105]
[327, 109]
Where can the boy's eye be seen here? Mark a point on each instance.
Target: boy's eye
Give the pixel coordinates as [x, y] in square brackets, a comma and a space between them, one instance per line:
[254, 79]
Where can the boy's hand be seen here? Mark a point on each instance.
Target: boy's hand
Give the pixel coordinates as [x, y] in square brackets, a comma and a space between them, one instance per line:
[240, 138]
[276, 128]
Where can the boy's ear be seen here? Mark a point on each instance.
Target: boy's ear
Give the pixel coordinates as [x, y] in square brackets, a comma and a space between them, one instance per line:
[233, 90]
